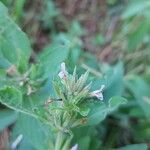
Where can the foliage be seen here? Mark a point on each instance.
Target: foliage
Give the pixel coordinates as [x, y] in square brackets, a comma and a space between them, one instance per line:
[52, 107]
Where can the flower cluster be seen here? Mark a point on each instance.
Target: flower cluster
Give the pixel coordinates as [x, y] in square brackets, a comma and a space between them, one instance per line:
[70, 107]
[63, 74]
[72, 94]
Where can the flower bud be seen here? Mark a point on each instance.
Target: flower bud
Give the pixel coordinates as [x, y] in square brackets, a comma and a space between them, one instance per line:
[63, 73]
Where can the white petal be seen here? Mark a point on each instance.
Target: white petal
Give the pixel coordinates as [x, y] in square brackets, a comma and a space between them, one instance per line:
[94, 93]
[61, 75]
[100, 96]
[102, 87]
[75, 147]
[63, 67]
[98, 93]
[17, 141]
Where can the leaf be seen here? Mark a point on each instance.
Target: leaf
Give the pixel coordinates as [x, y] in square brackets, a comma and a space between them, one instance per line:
[134, 147]
[76, 30]
[49, 61]
[14, 45]
[136, 7]
[84, 143]
[4, 63]
[113, 81]
[35, 134]
[18, 10]
[99, 110]
[114, 102]
[86, 137]
[7, 117]
[84, 110]
[97, 114]
[135, 37]
[52, 57]
[140, 90]
[10, 96]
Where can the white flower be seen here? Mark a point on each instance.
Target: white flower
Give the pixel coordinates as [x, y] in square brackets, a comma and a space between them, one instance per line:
[98, 93]
[63, 73]
[75, 147]
[16, 142]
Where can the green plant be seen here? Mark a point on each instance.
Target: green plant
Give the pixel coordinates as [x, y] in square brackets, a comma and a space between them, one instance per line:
[43, 105]
[45, 119]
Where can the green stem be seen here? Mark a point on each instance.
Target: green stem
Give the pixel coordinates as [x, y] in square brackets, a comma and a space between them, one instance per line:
[67, 143]
[62, 142]
[59, 141]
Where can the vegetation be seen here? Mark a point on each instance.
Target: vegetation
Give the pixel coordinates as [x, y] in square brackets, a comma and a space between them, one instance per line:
[75, 75]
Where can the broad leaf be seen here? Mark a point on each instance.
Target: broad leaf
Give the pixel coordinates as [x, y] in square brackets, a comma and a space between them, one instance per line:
[14, 45]
[51, 58]
[113, 81]
[35, 134]
[140, 90]
[114, 102]
[135, 147]
[11, 97]
[136, 7]
[100, 110]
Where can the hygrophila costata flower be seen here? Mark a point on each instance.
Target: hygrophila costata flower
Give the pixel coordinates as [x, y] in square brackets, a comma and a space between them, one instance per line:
[63, 73]
[98, 93]
[77, 84]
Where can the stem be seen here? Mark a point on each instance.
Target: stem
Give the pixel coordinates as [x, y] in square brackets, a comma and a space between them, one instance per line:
[59, 141]
[67, 143]
[62, 142]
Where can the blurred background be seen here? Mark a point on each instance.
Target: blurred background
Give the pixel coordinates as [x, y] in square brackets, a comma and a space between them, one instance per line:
[100, 31]
[110, 29]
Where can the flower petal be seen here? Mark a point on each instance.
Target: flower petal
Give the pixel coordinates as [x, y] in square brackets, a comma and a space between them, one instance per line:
[63, 67]
[98, 93]
[63, 73]
[100, 96]
[102, 87]
[75, 147]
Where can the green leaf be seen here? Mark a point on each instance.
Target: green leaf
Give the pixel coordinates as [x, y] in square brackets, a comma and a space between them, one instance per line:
[86, 137]
[84, 143]
[135, 37]
[7, 117]
[114, 102]
[136, 7]
[135, 147]
[140, 90]
[113, 82]
[14, 45]
[97, 114]
[4, 63]
[99, 110]
[34, 132]
[10, 96]
[18, 9]
[51, 58]
[84, 110]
